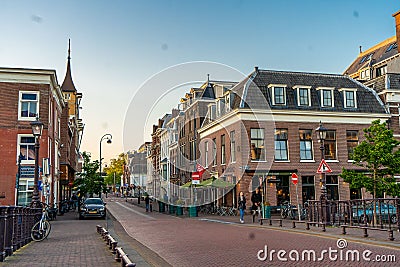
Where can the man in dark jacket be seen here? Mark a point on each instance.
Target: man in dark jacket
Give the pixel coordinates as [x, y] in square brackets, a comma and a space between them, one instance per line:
[256, 198]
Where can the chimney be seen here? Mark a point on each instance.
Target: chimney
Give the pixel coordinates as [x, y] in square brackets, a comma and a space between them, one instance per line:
[360, 49]
[397, 18]
[175, 112]
[256, 69]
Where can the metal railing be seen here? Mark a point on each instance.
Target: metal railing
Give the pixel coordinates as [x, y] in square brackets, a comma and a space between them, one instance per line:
[15, 228]
[376, 213]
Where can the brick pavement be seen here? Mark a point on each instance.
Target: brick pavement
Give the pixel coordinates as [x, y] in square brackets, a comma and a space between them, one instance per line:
[156, 239]
[71, 242]
[222, 241]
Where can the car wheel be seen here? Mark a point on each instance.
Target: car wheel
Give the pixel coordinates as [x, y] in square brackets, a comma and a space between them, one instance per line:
[393, 219]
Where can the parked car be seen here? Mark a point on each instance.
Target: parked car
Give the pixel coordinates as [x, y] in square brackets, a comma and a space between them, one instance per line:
[387, 212]
[92, 207]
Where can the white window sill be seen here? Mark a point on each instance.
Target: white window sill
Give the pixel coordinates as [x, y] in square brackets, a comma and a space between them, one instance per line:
[308, 160]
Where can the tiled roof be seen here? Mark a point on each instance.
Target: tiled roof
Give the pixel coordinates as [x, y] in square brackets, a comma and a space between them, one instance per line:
[373, 56]
[367, 99]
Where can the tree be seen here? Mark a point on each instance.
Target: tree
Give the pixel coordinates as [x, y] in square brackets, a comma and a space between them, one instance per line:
[89, 181]
[379, 155]
[116, 169]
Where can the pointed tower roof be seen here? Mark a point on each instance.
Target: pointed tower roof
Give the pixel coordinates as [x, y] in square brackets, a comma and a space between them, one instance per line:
[68, 84]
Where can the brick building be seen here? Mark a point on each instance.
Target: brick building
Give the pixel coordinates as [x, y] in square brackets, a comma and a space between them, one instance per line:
[378, 67]
[27, 94]
[263, 130]
[71, 134]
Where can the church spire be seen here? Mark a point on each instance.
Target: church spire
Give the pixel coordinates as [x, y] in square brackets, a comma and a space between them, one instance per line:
[68, 84]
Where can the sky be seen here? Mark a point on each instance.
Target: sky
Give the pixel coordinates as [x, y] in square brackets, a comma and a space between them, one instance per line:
[124, 53]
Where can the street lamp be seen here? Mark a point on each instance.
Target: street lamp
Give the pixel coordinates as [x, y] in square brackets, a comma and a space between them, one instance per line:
[37, 128]
[321, 133]
[109, 141]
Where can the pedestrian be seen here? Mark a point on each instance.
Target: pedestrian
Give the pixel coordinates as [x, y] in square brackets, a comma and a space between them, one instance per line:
[241, 206]
[147, 202]
[256, 198]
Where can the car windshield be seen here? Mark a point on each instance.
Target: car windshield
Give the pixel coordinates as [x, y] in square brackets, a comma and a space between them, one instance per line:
[93, 201]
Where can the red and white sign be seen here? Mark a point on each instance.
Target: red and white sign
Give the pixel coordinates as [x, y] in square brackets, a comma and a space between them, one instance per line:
[324, 167]
[196, 177]
[295, 178]
[200, 169]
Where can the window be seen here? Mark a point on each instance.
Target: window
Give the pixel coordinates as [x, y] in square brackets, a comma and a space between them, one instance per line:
[381, 71]
[391, 47]
[223, 155]
[257, 149]
[278, 94]
[352, 142]
[67, 96]
[28, 105]
[233, 146]
[306, 145]
[330, 145]
[281, 152]
[26, 145]
[350, 99]
[303, 95]
[327, 98]
[214, 152]
[308, 188]
[332, 187]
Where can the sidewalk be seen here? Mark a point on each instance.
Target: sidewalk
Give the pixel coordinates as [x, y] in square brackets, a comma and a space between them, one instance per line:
[71, 242]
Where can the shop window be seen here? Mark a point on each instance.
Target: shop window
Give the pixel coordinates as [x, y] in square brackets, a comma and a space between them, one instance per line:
[332, 187]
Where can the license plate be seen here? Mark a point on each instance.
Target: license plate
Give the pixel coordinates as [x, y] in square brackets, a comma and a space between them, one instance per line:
[91, 212]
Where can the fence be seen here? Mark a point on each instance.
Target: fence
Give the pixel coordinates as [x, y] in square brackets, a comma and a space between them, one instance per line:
[15, 228]
[379, 212]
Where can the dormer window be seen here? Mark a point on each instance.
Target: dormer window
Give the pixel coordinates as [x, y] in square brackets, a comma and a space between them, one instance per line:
[327, 96]
[303, 95]
[349, 97]
[278, 92]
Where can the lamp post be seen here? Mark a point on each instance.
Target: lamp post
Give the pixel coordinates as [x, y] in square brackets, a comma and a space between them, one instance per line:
[109, 141]
[321, 132]
[37, 128]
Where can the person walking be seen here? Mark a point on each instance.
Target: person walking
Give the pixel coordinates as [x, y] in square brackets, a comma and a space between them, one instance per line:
[147, 202]
[241, 206]
[256, 198]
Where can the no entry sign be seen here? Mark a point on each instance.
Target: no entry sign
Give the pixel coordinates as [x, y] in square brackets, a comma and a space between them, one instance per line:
[295, 178]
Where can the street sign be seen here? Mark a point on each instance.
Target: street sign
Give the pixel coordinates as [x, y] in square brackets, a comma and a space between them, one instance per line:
[295, 178]
[324, 167]
[196, 177]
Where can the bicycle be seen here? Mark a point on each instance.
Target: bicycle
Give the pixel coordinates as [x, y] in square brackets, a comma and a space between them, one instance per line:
[287, 210]
[42, 228]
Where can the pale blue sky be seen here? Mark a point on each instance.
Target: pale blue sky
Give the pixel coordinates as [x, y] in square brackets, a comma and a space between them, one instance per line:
[117, 45]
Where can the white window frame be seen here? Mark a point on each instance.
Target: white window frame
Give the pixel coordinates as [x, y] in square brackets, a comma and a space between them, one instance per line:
[20, 118]
[206, 154]
[24, 161]
[322, 89]
[345, 90]
[308, 88]
[272, 88]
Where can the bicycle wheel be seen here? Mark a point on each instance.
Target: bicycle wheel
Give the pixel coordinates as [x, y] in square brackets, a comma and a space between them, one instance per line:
[40, 230]
[284, 213]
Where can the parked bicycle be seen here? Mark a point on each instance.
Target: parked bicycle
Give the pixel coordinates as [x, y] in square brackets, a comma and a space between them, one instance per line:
[42, 228]
[287, 210]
